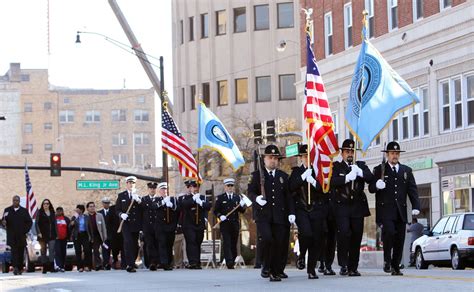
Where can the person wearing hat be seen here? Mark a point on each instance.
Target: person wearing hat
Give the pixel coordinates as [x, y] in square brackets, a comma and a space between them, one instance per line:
[310, 215]
[350, 206]
[132, 221]
[274, 213]
[194, 207]
[111, 225]
[149, 220]
[165, 226]
[392, 184]
[230, 225]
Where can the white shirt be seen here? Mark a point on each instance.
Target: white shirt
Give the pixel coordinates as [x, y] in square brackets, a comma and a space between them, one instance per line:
[397, 166]
[229, 195]
[271, 172]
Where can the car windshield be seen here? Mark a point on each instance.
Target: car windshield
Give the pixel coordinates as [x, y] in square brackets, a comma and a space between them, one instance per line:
[469, 222]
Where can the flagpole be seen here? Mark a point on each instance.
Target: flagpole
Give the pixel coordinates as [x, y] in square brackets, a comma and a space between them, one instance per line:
[164, 107]
[308, 13]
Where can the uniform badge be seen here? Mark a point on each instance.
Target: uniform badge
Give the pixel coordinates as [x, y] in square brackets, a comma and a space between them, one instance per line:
[281, 179]
[405, 175]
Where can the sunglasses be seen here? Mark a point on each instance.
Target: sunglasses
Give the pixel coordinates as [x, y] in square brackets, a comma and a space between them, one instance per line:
[230, 185]
[46, 203]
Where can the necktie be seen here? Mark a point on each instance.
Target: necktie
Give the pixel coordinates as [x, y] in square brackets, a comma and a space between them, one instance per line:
[105, 212]
[394, 169]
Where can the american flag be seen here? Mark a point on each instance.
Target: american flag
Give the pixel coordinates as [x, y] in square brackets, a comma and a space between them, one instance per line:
[30, 195]
[175, 145]
[322, 141]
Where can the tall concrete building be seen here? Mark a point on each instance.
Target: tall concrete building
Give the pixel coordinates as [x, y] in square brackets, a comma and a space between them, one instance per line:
[112, 129]
[431, 45]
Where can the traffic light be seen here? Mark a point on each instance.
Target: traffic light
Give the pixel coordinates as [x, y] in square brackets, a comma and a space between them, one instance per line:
[271, 131]
[257, 133]
[55, 164]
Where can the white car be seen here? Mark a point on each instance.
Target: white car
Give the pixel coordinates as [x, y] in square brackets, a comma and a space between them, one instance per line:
[450, 242]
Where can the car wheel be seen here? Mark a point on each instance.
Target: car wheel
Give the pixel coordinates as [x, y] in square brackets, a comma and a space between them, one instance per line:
[29, 266]
[456, 262]
[420, 262]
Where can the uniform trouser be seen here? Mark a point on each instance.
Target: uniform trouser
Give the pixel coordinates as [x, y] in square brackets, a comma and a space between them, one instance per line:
[179, 248]
[165, 246]
[46, 260]
[230, 235]
[106, 252]
[285, 248]
[130, 245]
[272, 237]
[328, 247]
[393, 236]
[259, 250]
[193, 237]
[310, 239]
[18, 254]
[60, 252]
[349, 236]
[116, 244]
[82, 244]
[96, 244]
[151, 244]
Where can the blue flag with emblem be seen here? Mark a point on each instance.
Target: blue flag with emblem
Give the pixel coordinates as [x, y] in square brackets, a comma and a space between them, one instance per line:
[377, 93]
[212, 134]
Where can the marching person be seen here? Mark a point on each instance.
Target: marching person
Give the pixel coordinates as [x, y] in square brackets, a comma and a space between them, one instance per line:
[149, 218]
[229, 225]
[45, 225]
[195, 208]
[17, 222]
[350, 205]
[130, 212]
[165, 226]
[111, 226]
[82, 238]
[394, 182]
[311, 211]
[62, 227]
[273, 212]
[98, 232]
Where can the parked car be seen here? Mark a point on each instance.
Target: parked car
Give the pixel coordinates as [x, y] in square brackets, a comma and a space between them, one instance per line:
[449, 243]
[5, 253]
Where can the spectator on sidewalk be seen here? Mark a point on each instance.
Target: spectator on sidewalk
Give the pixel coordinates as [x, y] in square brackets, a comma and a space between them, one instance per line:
[82, 238]
[46, 230]
[98, 233]
[62, 227]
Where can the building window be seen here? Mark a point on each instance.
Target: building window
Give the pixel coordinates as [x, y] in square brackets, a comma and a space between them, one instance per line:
[193, 97]
[66, 100]
[394, 132]
[28, 107]
[262, 18]
[48, 147]
[222, 93]
[328, 33]
[240, 19]
[120, 158]
[206, 94]
[183, 100]
[221, 22]
[141, 115]
[181, 32]
[446, 119]
[141, 138]
[392, 14]
[66, 116]
[92, 116]
[241, 90]
[445, 4]
[140, 159]
[416, 121]
[25, 77]
[405, 126]
[204, 25]
[285, 15]
[426, 115]
[348, 25]
[336, 125]
[28, 128]
[470, 100]
[457, 104]
[287, 87]
[369, 6]
[417, 10]
[27, 149]
[48, 105]
[264, 88]
[119, 115]
[48, 126]
[141, 99]
[119, 139]
[191, 28]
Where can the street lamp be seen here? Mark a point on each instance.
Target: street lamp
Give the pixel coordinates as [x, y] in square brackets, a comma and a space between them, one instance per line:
[281, 47]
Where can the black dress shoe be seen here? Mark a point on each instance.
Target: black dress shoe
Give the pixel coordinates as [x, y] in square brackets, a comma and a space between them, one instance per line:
[283, 275]
[152, 267]
[312, 275]
[354, 273]
[329, 272]
[343, 271]
[265, 273]
[300, 264]
[321, 269]
[274, 278]
[257, 266]
[387, 268]
[15, 272]
[167, 268]
[397, 273]
[107, 267]
[131, 269]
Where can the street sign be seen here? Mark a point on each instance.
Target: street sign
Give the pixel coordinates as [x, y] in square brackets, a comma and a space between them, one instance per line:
[292, 150]
[85, 185]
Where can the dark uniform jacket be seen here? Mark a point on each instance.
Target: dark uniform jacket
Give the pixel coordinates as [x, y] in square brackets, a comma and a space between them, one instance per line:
[224, 205]
[167, 218]
[134, 220]
[350, 202]
[18, 225]
[190, 208]
[149, 208]
[318, 207]
[279, 200]
[112, 221]
[392, 201]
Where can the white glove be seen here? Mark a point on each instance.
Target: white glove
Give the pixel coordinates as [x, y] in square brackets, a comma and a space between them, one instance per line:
[223, 218]
[307, 173]
[380, 184]
[311, 180]
[291, 219]
[415, 212]
[169, 204]
[195, 196]
[166, 200]
[242, 203]
[136, 198]
[198, 201]
[260, 200]
[351, 175]
[124, 216]
[358, 170]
